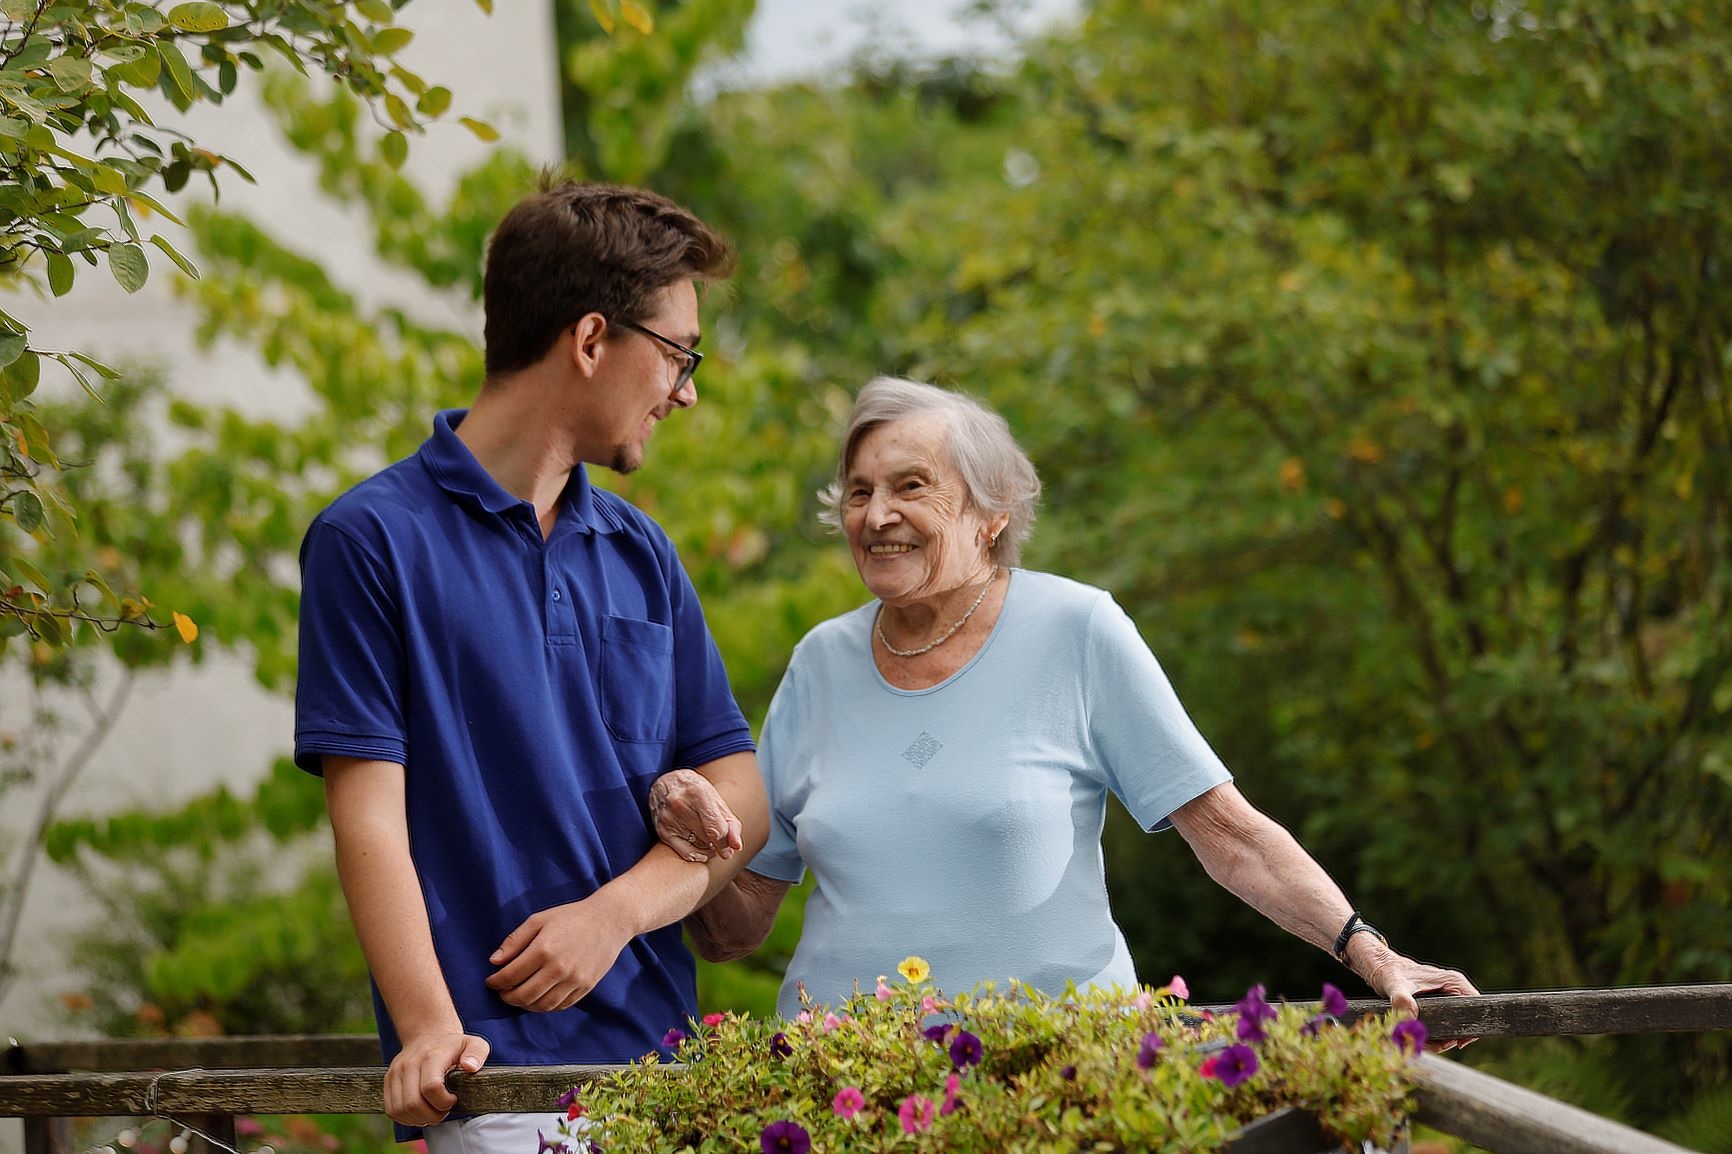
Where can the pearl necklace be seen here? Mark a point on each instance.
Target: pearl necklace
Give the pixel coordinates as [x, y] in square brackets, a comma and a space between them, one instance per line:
[878, 624]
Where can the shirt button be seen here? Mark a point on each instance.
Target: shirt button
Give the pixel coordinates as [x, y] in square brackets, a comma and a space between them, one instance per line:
[556, 595]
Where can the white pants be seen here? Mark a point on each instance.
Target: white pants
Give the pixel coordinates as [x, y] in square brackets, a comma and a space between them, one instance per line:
[501, 1134]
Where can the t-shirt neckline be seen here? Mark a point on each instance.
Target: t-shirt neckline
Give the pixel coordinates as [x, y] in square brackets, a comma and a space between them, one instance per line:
[1010, 576]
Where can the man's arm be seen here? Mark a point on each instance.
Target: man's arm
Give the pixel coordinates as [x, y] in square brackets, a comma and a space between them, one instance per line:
[558, 955]
[1253, 856]
[370, 821]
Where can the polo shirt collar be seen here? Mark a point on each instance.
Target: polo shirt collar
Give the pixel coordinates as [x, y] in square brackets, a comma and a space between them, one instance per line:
[457, 471]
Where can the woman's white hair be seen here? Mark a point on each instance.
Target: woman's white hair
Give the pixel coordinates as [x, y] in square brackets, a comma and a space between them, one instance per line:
[996, 472]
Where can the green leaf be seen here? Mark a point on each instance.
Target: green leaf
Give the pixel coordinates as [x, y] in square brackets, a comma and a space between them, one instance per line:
[603, 13]
[109, 180]
[129, 266]
[435, 101]
[398, 110]
[12, 346]
[78, 374]
[179, 73]
[71, 73]
[22, 376]
[105, 371]
[390, 41]
[485, 5]
[28, 572]
[198, 16]
[378, 11]
[60, 273]
[174, 254]
[154, 205]
[140, 73]
[482, 130]
[27, 511]
[394, 147]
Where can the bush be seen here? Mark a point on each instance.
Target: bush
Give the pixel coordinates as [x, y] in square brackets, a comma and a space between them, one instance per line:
[1002, 1070]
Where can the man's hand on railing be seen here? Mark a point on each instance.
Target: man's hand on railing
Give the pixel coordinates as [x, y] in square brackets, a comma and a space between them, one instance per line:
[691, 818]
[415, 1092]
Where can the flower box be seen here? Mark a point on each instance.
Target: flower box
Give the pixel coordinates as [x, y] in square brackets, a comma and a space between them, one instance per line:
[903, 1066]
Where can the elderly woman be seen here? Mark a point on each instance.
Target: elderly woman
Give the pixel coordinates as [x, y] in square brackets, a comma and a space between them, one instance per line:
[940, 758]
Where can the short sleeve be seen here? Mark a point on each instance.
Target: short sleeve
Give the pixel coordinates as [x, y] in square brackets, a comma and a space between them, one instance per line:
[349, 691]
[708, 723]
[1149, 750]
[778, 758]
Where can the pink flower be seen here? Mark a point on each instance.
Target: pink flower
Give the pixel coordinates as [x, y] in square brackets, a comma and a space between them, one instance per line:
[929, 1005]
[951, 1084]
[248, 1127]
[883, 990]
[848, 1102]
[831, 1022]
[803, 1017]
[714, 1019]
[915, 1114]
[1142, 1001]
[1179, 989]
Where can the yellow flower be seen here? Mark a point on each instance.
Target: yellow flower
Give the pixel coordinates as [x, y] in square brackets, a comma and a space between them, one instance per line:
[914, 969]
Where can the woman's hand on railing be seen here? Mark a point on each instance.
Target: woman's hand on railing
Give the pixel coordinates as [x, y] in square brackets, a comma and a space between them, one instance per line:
[691, 818]
[1402, 980]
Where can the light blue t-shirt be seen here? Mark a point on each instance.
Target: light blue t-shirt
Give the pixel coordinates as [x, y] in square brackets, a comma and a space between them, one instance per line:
[963, 822]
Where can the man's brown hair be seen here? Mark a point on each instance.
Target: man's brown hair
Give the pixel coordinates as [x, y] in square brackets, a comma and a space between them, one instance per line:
[577, 248]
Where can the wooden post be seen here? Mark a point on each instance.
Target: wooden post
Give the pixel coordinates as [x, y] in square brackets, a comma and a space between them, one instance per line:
[219, 1127]
[48, 1136]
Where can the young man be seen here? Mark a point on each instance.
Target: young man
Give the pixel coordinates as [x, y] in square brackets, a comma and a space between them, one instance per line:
[498, 659]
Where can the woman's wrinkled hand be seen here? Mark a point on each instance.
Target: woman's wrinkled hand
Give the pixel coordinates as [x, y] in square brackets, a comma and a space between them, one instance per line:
[691, 818]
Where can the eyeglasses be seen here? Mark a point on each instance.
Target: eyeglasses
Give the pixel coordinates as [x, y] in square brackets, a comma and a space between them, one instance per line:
[693, 358]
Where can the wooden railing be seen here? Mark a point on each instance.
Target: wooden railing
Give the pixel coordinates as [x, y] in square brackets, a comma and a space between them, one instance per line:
[206, 1082]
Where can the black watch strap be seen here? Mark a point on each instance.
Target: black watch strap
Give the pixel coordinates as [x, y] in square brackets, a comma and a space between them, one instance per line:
[1355, 925]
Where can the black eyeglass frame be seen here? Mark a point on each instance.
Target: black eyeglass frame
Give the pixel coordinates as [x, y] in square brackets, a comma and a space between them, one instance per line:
[694, 358]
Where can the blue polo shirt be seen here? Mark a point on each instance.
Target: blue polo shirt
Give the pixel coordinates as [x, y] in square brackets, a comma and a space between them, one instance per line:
[532, 690]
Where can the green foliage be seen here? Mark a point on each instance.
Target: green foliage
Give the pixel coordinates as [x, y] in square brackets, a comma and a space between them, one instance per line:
[79, 158]
[211, 923]
[1077, 1072]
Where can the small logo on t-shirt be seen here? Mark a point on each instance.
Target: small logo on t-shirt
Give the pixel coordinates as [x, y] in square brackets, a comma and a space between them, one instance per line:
[924, 749]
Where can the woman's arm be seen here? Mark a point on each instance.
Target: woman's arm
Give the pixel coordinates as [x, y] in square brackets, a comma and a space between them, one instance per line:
[1254, 857]
[737, 920]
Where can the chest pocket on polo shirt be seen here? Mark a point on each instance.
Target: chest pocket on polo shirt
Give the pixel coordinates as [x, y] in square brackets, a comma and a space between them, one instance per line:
[637, 678]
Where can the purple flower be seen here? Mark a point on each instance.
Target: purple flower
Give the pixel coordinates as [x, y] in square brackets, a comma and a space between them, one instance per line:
[1410, 1035]
[779, 1046]
[1334, 1001]
[1235, 1065]
[673, 1038]
[1149, 1052]
[937, 1034]
[1068, 1073]
[785, 1138]
[1253, 1012]
[964, 1051]
[1315, 1025]
[554, 1147]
